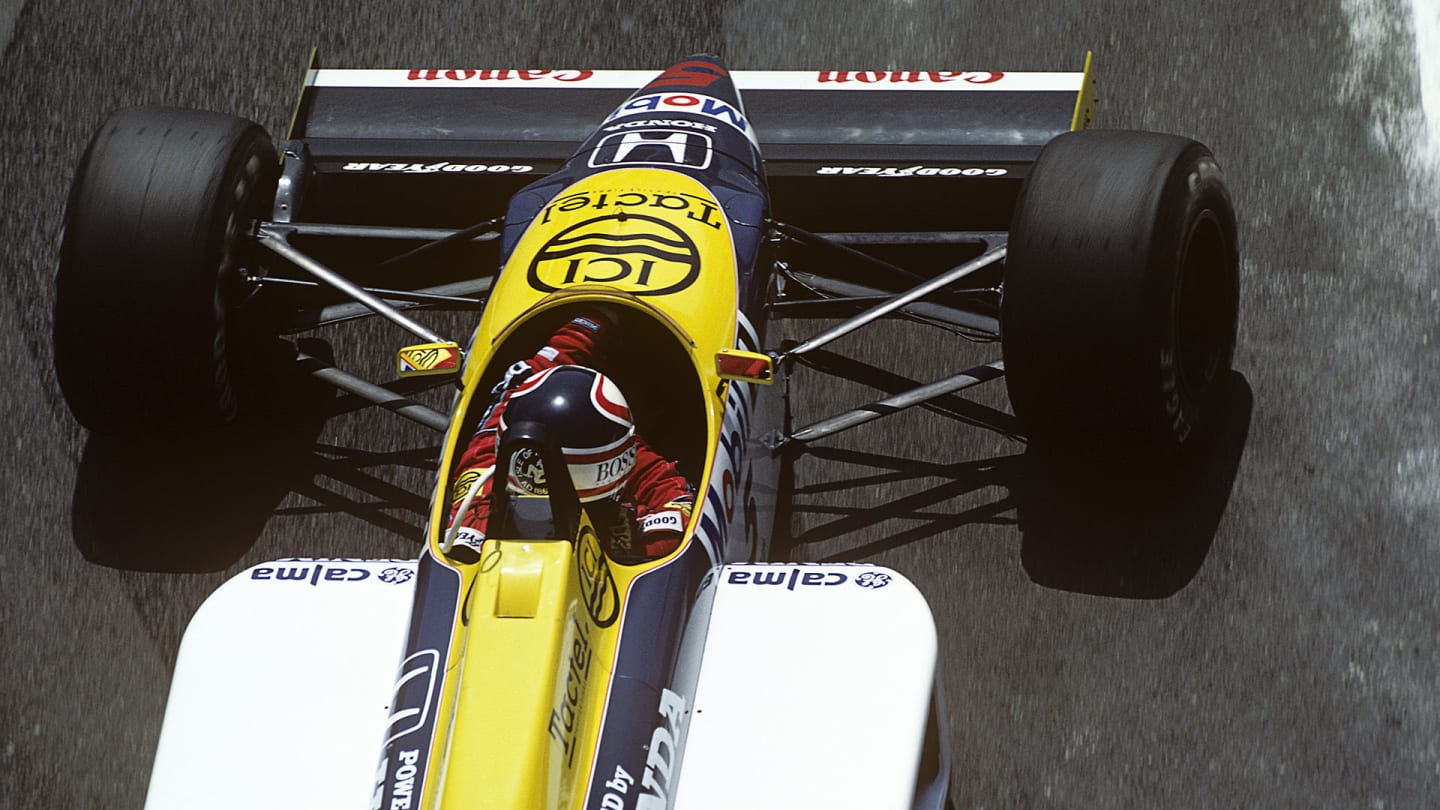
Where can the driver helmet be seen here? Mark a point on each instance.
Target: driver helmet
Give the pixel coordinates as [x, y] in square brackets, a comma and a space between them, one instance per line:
[586, 413]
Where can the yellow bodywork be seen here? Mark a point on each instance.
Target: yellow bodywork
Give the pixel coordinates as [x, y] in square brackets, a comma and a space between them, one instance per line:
[534, 642]
[535, 669]
[1084, 116]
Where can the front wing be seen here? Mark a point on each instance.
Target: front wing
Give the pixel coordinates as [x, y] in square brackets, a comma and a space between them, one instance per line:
[285, 677]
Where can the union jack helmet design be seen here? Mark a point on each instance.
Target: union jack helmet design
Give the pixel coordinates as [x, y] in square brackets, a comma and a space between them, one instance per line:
[586, 412]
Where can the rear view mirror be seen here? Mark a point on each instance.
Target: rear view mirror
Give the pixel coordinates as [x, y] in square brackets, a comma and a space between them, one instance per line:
[428, 359]
[753, 367]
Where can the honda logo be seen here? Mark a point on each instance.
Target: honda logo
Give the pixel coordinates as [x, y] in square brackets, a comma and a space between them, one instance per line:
[654, 147]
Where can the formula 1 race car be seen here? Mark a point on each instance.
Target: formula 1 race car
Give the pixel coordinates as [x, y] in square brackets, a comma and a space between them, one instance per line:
[550, 673]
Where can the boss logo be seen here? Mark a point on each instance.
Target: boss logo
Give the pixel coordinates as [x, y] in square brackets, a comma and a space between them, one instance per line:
[654, 147]
[608, 472]
[640, 254]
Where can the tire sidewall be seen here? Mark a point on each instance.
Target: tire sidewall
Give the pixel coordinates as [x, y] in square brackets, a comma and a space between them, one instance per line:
[1194, 206]
[240, 197]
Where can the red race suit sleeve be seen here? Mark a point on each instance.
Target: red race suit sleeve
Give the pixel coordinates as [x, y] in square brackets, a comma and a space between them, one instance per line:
[662, 499]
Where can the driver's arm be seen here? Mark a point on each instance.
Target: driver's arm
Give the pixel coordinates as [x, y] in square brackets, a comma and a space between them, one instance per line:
[577, 343]
[663, 498]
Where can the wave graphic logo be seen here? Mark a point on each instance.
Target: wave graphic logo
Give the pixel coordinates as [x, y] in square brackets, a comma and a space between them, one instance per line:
[636, 253]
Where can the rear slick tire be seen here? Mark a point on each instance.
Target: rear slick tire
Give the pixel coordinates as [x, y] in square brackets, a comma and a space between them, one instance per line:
[1121, 299]
[150, 269]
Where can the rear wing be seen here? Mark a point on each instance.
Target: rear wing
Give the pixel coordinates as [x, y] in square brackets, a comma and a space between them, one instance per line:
[808, 122]
[863, 130]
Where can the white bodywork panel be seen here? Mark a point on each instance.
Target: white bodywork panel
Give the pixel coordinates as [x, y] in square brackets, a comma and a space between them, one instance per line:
[282, 688]
[813, 690]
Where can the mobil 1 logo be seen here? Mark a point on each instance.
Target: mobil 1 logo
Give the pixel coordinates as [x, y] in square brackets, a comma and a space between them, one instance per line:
[654, 147]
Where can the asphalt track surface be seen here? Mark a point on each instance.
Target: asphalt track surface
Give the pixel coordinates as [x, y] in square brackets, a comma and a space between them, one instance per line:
[1266, 640]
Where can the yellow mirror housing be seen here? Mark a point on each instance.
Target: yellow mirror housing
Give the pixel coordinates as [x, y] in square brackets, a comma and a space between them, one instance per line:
[752, 367]
[427, 359]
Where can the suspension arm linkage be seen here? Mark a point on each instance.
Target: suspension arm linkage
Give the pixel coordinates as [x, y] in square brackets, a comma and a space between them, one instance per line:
[427, 295]
[447, 296]
[875, 313]
[275, 241]
[370, 392]
[898, 402]
[804, 237]
[481, 232]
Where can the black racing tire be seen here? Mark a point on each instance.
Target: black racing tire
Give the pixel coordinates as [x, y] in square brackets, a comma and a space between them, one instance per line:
[1121, 299]
[150, 269]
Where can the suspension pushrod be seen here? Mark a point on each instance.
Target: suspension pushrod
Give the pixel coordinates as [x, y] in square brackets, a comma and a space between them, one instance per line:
[276, 242]
[484, 229]
[805, 237]
[370, 392]
[955, 316]
[899, 402]
[482, 232]
[427, 295]
[875, 313]
[446, 296]
[911, 237]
